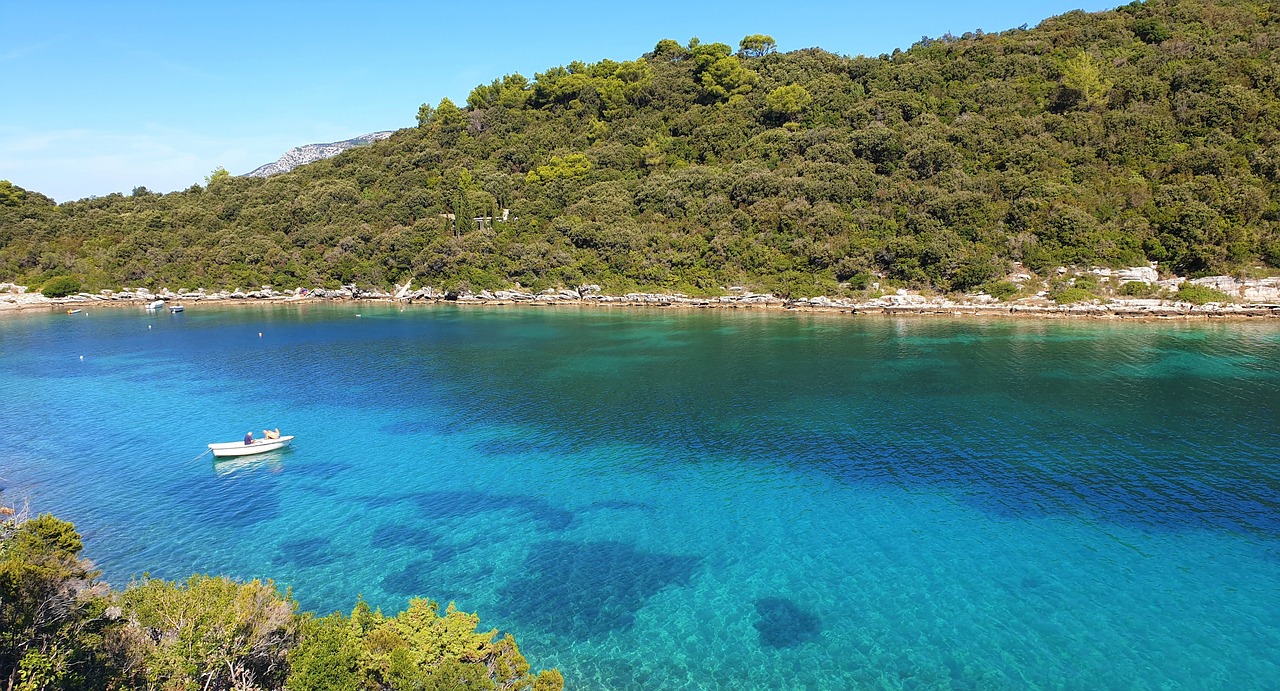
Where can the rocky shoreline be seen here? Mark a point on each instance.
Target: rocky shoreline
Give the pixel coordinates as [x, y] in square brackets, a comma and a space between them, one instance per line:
[16, 298]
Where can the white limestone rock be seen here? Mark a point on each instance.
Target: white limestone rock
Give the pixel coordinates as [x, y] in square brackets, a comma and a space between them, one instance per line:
[310, 153]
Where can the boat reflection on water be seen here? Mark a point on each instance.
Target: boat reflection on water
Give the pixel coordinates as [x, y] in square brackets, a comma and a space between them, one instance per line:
[271, 461]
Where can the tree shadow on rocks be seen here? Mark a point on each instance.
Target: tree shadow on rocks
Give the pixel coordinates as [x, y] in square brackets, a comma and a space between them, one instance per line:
[784, 624]
[584, 590]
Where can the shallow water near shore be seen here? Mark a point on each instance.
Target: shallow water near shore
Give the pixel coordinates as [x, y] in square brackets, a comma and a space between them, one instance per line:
[694, 500]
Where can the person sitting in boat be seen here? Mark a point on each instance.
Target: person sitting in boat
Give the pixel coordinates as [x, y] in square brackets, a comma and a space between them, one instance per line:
[248, 437]
[271, 433]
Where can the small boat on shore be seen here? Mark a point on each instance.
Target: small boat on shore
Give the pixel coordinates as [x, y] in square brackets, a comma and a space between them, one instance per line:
[73, 311]
[157, 305]
[239, 448]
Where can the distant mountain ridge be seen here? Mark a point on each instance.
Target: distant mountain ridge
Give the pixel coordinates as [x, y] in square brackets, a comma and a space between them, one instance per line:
[309, 153]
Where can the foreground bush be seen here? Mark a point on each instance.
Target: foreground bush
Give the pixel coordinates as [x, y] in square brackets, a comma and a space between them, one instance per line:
[61, 629]
[48, 630]
[206, 633]
[417, 649]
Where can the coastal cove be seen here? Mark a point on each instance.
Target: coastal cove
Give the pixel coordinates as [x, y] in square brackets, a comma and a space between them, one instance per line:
[686, 498]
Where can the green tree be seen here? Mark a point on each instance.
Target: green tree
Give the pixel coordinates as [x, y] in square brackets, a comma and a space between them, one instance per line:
[218, 176]
[720, 73]
[788, 101]
[44, 594]
[10, 194]
[60, 287]
[417, 649]
[206, 632]
[1083, 81]
[1152, 30]
[425, 111]
[756, 46]
[669, 49]
[570, 166]
[327, 656]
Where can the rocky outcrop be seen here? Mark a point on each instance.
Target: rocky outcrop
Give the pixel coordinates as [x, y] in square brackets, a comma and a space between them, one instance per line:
[302, 155]
[1256, 298]
[1135, 274]
[1249, 290]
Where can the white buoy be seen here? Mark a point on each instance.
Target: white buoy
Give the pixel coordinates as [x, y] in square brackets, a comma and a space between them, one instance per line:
[148, 326]
[81, 358]
[259, 334]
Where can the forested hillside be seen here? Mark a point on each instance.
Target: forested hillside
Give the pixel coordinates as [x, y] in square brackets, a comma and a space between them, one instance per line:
[1147, 133]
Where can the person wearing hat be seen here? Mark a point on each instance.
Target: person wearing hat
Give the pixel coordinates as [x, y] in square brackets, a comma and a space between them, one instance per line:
[248, 437]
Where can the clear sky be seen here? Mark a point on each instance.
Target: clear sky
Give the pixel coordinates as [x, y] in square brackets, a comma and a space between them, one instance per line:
[104, 96]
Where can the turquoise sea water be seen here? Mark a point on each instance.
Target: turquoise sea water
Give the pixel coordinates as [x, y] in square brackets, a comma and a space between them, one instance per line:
[687, 500]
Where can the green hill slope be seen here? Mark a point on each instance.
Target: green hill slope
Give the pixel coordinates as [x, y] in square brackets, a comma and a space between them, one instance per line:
[1147, 133]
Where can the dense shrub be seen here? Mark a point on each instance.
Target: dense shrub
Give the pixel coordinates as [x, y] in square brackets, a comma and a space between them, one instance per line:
[60, 287]
[1199, 295]
[1138, 289]
[1000, 290]
[61, 629]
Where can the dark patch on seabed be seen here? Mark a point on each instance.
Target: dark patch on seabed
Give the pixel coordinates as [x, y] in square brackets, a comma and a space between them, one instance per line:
[620, 505]
[316, 551]
[321, 471]
[228, 500]
[405, 428]
[1175, 494]
[585, 590]
[518, 447]
[392, 535]
[413, 579]
[437, 505]
[783, 623]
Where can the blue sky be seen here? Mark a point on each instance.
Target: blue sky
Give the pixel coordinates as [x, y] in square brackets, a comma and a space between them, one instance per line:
[101, 97]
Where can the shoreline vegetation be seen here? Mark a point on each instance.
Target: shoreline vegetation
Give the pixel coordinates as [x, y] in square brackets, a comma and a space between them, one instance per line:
[62, 628]
[1203, 298]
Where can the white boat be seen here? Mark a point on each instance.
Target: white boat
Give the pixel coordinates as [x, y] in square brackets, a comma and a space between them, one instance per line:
[157, 305]
[239, 448]
[175, 309]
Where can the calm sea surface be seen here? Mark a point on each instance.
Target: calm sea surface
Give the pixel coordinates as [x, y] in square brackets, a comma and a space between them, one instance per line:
[688, 500]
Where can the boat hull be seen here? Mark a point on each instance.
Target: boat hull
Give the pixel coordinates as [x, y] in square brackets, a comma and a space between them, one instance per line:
[239, 448]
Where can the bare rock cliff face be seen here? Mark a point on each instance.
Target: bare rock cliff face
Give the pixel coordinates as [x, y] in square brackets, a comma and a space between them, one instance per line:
[301, 155]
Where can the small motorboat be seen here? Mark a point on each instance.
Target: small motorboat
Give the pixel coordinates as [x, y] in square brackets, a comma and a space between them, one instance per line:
[239, 448]
[73, 311]
[157, 305]
[175, 309]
